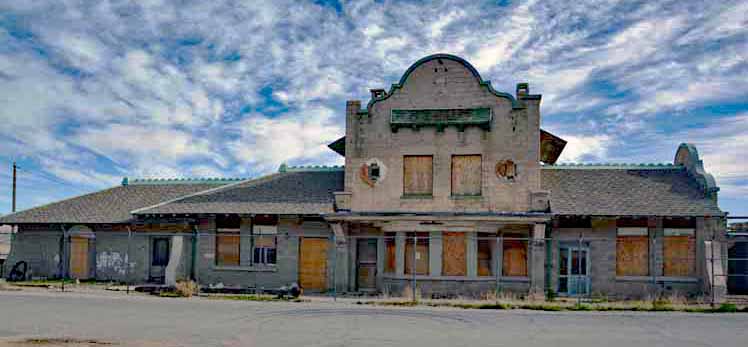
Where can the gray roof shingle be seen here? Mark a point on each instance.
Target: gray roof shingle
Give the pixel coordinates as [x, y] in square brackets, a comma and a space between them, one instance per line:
[621, 191]
[111, 205]
[299, 192]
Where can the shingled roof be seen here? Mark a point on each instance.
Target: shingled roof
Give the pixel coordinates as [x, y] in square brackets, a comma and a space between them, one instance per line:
[111, 205]
[296, 192]
[625, 191]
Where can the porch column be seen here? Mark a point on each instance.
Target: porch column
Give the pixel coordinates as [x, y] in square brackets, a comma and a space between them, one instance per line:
[341, 258]
[537, 260]
[471, 245]
[435, 253]
[400, 253]
[175, 258]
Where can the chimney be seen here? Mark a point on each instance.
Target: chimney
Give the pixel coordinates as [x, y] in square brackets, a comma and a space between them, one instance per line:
[523, 89]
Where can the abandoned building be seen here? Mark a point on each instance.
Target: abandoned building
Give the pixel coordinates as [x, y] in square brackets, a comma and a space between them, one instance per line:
[447, 183]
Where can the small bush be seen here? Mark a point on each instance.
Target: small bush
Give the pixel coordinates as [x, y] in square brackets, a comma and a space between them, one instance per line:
[727, 308]
[186, 289]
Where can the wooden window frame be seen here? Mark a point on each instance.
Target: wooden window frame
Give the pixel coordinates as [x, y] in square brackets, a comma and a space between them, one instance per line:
[514, 240]
[424, 194]
[680, 235]
[626, 235]
[452, 175]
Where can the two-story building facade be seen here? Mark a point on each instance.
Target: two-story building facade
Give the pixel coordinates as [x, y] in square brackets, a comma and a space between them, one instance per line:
[448, 185]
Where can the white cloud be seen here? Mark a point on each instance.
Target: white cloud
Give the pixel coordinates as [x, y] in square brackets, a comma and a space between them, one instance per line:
[584, 148]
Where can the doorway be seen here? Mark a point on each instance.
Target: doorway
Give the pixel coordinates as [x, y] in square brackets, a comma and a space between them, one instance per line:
[574, 266]
[313, 264]
[79, 268]
[366, 269]
[160, 249]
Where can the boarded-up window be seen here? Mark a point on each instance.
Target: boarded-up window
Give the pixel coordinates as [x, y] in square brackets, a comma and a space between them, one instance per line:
[485, 243]
[418, 175]
[679, 250]
[632, 251]
[515, 255]
[454, 254]
[228, 240]
[390, 264]
[417, 256]
[466, 175]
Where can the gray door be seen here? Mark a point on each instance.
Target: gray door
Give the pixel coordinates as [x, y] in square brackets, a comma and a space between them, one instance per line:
[159, 259]
[574, 271]
[366, 268]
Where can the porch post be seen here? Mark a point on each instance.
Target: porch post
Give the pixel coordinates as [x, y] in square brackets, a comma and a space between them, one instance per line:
[400, 253]
[537, 261]
[435, 253]
[472, 253]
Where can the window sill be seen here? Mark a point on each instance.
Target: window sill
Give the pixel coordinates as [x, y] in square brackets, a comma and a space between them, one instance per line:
[466, 197]
[657, 279]
[266, 268]
[456, 278]
[417, 196]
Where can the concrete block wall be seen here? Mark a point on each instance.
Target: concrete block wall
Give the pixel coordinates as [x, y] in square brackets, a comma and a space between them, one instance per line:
[39, 249]
[112, 257]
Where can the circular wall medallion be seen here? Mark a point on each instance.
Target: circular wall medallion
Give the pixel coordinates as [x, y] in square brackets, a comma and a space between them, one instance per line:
[372, 172]
[506, 169]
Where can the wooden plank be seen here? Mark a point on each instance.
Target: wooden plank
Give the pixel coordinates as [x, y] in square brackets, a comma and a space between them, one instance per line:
[484, 257]
[515, 258]
[391, 260]
[227, 249]
[313, 264]
[418, 174]
[79, 257]
[454, 254]
[466, 175]
[680, 256]
[421, 255]
[632, 256]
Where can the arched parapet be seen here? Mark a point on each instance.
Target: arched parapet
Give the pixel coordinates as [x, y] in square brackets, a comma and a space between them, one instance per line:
[81, 231]
[380, 95]
[688, 157]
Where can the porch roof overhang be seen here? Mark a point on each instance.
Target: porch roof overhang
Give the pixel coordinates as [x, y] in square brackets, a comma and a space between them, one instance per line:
[501, 217]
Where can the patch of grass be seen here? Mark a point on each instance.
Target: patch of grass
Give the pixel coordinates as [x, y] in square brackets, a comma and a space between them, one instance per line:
[63, 342]
[727, 308]
[254, 297]
[169, 294]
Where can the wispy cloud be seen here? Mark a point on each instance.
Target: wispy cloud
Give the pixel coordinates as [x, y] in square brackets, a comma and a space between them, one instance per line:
[93, 91]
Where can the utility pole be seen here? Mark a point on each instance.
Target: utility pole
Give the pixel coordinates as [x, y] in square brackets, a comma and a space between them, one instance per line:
[14, 186]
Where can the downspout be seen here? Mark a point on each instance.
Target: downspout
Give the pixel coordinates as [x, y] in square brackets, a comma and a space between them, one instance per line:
[548, 259]
[193, 266]
[63, 256]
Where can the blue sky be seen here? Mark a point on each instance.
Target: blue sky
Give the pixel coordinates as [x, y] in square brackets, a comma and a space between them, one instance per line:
[94, 91]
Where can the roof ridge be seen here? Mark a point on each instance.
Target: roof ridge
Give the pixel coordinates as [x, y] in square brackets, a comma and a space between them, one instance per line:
[251, 181]
[180, 180]
[622, 166]
[308, 168]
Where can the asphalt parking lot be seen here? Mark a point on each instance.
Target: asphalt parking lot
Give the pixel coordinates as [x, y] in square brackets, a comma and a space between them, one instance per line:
[150, 321]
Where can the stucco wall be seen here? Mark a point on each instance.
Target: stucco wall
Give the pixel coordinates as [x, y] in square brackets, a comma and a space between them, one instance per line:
[443, 84]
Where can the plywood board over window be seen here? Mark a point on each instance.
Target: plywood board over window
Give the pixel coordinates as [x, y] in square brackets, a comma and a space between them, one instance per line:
[680, 253]
[227, 248]
[466, 175]
[418, 175]
[390, 263]
[632, 251]
[515, 256]
[454, 254]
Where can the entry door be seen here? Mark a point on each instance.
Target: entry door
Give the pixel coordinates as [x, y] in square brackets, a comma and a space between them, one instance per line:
[574, 271]
[79, 258]
[159, 259]
[366, 254]
[313, 264]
